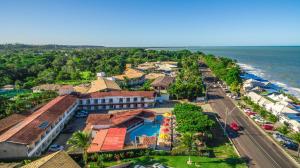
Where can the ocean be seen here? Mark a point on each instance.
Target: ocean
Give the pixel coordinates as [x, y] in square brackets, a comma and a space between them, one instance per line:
[280, 65]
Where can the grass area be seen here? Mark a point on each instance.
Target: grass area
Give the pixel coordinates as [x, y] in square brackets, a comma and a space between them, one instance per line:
[180, 162]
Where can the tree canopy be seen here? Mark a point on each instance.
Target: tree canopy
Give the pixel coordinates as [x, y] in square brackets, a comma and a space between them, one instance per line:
[190, 118]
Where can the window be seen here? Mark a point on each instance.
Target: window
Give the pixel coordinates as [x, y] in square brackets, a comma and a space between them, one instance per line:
[142, 105]
[142, 99]
[95, 101]
[135, 99]
[103, 101]
[111, 106]
[80, 101]
[110, 100]
[121, 100]
[44, 125]
[88, 101]
[128, 99]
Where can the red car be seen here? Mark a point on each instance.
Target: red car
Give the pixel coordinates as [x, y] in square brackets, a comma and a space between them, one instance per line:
[234, 126]
[251, 113]
[268, 127]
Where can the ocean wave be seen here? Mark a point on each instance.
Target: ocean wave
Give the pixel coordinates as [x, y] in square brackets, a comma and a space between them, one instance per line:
[260, 73]
[253, 70]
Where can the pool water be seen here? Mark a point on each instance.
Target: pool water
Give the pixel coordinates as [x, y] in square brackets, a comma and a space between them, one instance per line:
[148, 129]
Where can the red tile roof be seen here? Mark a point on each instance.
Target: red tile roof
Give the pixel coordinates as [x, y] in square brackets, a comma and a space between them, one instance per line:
[108, 140]
[118, 118]
[28, 131]
[10, 121]
[148, 94]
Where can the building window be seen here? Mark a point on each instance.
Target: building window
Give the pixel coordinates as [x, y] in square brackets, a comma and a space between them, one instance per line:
[103, 101]
[110, 100]
[111, 106]
[95, 101]
[142, 99]
[142, 105]
[121, 100]
[88, 101]
[80, 101]
[135, 99]
[135, 105]
[124, 106]
[127, 99]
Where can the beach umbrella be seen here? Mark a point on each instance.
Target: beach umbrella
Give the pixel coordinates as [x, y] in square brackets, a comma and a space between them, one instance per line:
[166, 130]
[163, 136]
[167, 114]
[166, 119]
[166, 124]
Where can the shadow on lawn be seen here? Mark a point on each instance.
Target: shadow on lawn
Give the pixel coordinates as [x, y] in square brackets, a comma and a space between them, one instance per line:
[231, 162]
[149, 161]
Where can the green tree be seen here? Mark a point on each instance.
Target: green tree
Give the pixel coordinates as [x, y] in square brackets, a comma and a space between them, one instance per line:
[80, 140]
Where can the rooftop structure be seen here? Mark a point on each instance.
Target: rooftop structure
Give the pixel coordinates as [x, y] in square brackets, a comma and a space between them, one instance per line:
[162, 83]
[130, 73]
[57, 159]
[152, 76]
[33, 135]
[111, 139]
[10, 121]
[103, 84]
[126, 119]
[46, 87]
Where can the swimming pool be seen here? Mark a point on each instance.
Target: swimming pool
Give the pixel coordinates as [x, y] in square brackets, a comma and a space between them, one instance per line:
[148, 129]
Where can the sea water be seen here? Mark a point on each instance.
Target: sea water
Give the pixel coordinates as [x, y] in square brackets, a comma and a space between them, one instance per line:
[280, 64]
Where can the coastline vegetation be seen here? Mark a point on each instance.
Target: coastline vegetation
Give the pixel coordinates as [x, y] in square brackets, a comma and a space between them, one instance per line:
[225, 69]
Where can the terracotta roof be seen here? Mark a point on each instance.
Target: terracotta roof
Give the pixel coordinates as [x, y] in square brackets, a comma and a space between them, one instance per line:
[66, 87]
[57, 159]
[148, 94]
[53, 87]
[154, 75]
[28, 131]
[102, 84]
[117, 119]
[10, 121]
[130, 73]
[108, 140]
[83, 88]
[164, 81]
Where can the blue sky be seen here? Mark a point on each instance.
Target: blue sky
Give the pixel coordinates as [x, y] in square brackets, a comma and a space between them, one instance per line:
[151, 22]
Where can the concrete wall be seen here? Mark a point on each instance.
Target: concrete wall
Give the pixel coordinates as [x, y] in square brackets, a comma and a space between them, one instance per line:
[12, 150]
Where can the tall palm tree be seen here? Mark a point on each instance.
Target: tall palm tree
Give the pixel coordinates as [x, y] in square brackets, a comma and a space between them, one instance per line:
[296, 137]
[187, 143]
[80, 140]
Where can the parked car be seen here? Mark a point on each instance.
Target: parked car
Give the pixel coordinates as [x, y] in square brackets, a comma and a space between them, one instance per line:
[259, 119]
[290, 145]
[247, 110]
[268, 127]
[139, 166]
[158, 165]
[234, 126]
[279, 137]
[251, 113]
[80, 115]
[55, 148]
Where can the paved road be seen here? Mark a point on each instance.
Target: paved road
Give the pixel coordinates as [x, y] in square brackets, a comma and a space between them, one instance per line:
[251, 142]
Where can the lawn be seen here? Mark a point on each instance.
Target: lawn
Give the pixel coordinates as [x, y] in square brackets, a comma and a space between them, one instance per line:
[180, 162]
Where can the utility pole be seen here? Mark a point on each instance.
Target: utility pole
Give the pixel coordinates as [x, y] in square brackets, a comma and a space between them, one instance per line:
[226, 116]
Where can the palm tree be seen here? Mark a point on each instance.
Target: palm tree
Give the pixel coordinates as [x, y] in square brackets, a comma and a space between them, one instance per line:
[187, 143]
[296, 137]
[80, 140]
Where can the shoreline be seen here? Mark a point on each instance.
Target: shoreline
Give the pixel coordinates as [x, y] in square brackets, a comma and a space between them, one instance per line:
[247, 68]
